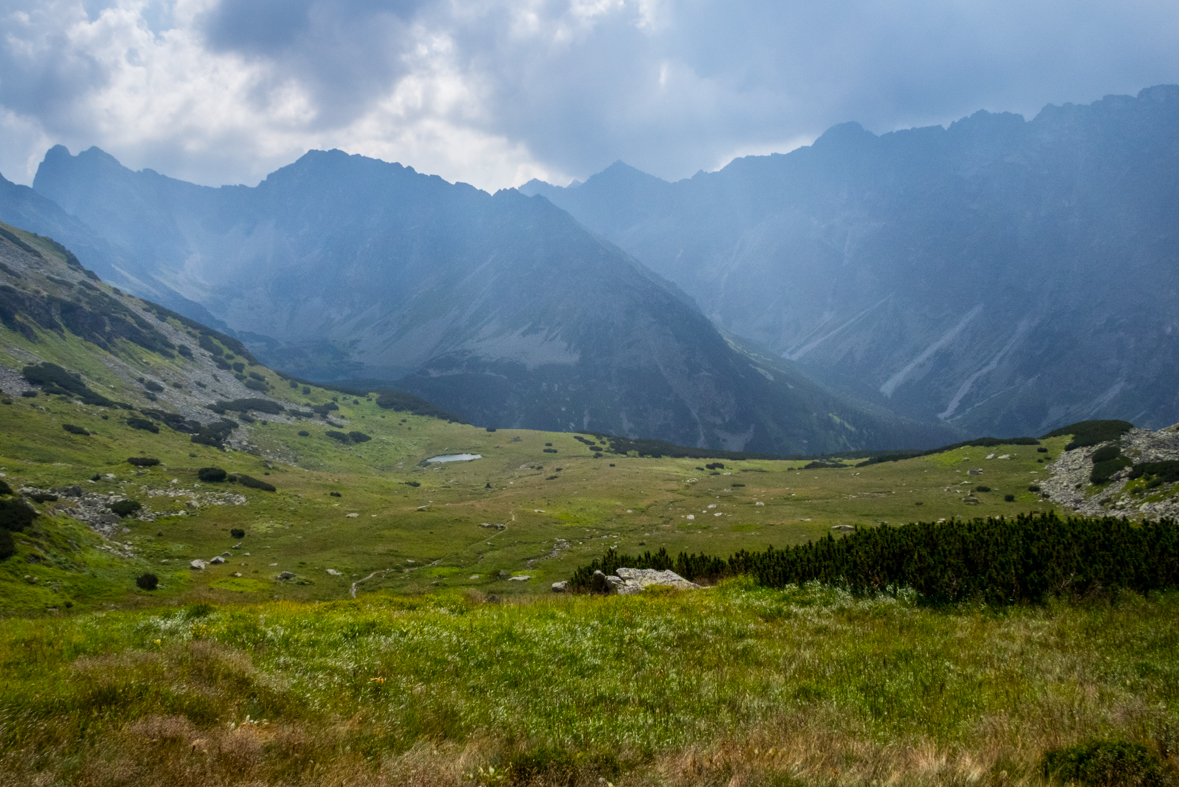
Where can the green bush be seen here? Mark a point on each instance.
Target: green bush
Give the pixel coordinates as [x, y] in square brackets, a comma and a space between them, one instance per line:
[256, 376]
[5, 489]
[343, 438]
[125, 508]
[153, 386]
[214, 434]
[144, 424]
[304, 433]
[43, 497]
[1104, 471]
[1104, 764]
[53, 379]
[212, 475]
[252, 483]
[16, 515]
[408, 403]
[143, 461]
[238, 366]
[245, 405]
[7, 545]
[237, 533]
[1105, 453]
[184, 350]
[1009, 498]
[1033, 488]
[359, 437]
[982, 488]
[256, 385]
[1087, 433]
[1163, 472]
[147, 581]
[72, 429]
[1027, 558]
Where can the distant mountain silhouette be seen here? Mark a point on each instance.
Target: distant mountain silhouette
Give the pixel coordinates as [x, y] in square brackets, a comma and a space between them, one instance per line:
[502, 309]
[1005, 275]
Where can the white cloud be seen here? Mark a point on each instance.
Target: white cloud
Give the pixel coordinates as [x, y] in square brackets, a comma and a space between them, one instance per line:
[494, 92]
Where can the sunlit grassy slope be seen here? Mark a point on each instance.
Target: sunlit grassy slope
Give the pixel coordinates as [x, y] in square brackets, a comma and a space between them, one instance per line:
[557, 509]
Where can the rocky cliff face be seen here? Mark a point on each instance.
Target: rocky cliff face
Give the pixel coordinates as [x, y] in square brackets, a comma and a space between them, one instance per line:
[1002, 275]
[502, 309]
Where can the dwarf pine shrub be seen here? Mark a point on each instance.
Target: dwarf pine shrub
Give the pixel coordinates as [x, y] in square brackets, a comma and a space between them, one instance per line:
[16, 515]
[125, 508]
[143, 424]
[251, 482]
[147, 581]
[212, 475]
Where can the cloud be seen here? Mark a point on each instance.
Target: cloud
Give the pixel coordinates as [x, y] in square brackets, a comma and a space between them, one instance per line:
[494, 92]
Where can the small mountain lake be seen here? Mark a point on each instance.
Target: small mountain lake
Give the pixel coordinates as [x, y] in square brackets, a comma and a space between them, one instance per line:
[454, 458]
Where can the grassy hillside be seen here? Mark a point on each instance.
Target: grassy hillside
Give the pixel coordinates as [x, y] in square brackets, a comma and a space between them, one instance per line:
[265, 670]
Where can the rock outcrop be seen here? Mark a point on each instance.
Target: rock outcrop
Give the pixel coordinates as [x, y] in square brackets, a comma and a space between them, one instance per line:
[1069, 484]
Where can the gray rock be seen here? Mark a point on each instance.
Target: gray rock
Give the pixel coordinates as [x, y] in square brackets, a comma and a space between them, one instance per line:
[843, 527]
[198, 565]
[334, 573]
[519, 579]
[217, 561]
[635, 580]
[287, 575]
[559, 587]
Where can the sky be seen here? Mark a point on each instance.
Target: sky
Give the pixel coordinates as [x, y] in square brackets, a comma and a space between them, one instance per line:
[496, 92]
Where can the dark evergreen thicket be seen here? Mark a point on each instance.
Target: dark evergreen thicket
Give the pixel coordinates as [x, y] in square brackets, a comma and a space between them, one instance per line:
[996, 561]
[981, 442]
[400, 402]
[245, 405]
[16, 515]
[215, 434]
[1087, 433]
[53, 379]
[1164, 472]
[658, 449]
[251, 482]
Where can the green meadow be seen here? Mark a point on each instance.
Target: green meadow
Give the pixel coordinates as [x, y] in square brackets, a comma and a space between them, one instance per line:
[385, 620]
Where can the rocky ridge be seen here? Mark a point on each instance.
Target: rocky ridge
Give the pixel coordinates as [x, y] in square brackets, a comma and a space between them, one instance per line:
[1069, 484]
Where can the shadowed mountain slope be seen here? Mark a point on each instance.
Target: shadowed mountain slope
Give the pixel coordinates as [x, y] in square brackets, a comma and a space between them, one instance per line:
[1007, 276]
[502, 309]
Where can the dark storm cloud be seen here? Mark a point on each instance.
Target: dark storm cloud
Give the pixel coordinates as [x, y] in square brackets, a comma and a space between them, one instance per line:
[563, 87]
[346, 52]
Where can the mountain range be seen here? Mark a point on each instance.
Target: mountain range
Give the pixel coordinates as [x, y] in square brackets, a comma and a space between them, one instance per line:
[1000, 275]
[502, 309]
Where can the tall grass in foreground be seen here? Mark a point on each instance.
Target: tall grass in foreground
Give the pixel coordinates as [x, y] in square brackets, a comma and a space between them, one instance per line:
[736, 685]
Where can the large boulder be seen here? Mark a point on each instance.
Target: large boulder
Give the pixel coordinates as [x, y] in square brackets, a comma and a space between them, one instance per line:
[636, 580]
